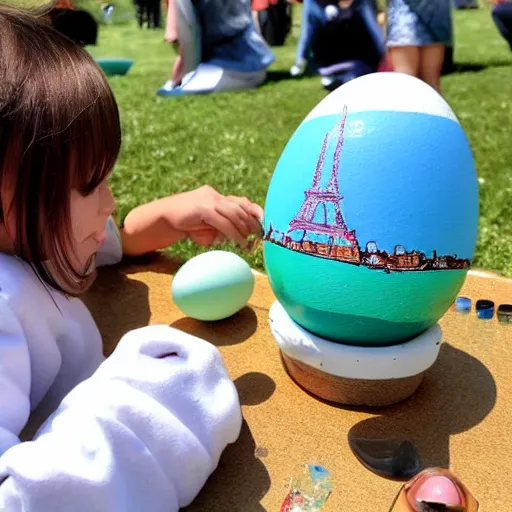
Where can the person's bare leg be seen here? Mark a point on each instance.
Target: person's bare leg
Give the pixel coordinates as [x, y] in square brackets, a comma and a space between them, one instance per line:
[405, 59]
[177, 70]
[189, 37]
[431, 65]
[183, 32]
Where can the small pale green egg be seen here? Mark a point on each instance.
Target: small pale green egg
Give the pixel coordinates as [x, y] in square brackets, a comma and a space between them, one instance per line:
[213, 286]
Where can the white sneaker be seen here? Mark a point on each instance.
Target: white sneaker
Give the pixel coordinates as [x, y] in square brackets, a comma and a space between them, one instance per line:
[168, 86]
[326, 81]
[166, 89]
[296, 70]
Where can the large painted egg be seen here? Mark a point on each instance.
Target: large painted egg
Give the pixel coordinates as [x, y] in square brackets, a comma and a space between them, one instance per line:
[371, 214]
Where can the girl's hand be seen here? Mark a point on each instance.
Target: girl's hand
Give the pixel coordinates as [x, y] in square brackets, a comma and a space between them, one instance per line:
[203, 215]
[207, 216]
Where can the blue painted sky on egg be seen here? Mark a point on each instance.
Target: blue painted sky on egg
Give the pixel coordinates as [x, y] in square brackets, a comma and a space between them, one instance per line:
[406, 179]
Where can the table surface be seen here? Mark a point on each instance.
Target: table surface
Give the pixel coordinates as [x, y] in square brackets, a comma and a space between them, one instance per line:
[459, 418]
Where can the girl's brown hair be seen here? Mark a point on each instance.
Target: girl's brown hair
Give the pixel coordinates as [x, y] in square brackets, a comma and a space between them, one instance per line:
[59, 130]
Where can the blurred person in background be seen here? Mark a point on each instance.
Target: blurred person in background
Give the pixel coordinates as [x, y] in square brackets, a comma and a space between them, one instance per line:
[418, 32]
[502, 16]
[340, 40]
[218, 46]
[273, 19]
[149, 12]
[77, 24]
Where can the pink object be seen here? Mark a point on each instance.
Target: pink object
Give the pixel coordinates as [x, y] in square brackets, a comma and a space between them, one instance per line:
[261, 5]
[439, 489]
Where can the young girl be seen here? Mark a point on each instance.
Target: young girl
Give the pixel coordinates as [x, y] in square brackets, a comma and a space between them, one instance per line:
[143, 430]
[418, 32]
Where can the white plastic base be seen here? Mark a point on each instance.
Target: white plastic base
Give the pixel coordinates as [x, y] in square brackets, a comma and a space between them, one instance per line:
[354, 362]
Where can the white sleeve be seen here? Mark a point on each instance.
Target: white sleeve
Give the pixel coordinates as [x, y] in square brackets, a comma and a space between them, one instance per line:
[14, 378]
[111, 251]
[142, 434]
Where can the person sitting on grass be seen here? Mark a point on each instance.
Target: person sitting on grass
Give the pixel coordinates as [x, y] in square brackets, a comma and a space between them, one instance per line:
[143, 429]
[219, 48]
[341, 39]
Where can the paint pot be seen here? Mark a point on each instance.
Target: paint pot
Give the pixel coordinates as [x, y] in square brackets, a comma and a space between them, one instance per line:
[505, 313]
[485, 309]
[463, 304]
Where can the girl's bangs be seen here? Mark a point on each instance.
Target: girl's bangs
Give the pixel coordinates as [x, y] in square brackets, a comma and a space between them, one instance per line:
[95, 141]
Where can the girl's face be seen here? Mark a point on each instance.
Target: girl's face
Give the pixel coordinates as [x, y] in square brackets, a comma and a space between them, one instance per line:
[89, 216]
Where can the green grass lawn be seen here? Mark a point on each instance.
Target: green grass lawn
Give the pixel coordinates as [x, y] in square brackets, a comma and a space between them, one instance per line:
[233, 141]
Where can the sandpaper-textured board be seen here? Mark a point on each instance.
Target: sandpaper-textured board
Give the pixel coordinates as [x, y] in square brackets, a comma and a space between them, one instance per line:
[460, 417]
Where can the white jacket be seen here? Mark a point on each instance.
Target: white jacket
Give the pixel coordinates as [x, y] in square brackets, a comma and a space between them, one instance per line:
[141, 431]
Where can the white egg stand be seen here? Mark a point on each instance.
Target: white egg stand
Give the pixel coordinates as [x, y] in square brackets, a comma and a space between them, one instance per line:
[353, 375]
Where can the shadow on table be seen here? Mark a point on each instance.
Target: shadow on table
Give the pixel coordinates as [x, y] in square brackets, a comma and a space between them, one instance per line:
[120, 304]
[456, 395]
[240, 327]
[254, 388]
[240, 481]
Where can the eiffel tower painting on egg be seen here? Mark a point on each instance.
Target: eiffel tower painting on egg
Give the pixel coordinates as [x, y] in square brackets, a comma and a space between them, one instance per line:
[341, 244]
